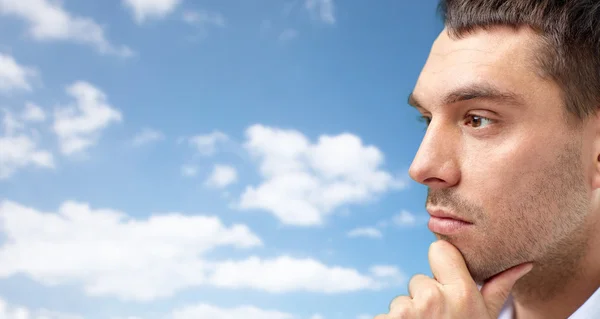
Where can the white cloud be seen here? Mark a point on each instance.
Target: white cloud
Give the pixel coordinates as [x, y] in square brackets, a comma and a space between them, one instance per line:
[17, 152]
[389, 275]
[33, 113]
[49, 21]
[189, 170]
[206, 145]
[144, 10]
[404, 218]
[304, 182]
[10, 124]
[213, 312]
[14, 76]
[365, 316]
[147, 136]
[222, 176]
[17, 312]
[79, 125]
[370, 232]
[204, 18]
[322, 9]
[386, 271]
[287, 274]
[110, 253]
[317, 316]
[20, 149]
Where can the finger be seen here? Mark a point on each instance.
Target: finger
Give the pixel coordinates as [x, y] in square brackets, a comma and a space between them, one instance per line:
[400, 308]
[448, 265]
[495, 292]
[400, 301]
[427, 296]
[418, 283]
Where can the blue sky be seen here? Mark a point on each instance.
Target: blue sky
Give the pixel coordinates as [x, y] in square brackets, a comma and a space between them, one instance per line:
[210, 159]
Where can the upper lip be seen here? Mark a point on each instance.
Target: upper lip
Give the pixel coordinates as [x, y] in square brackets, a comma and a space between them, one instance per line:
[442, 213]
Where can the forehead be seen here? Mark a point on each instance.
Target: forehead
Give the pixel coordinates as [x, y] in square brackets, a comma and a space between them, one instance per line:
[500, 57]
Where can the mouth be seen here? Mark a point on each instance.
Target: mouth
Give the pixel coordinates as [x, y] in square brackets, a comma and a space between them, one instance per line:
[446, 223]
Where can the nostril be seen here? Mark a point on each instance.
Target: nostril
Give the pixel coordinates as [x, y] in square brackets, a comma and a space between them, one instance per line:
[433, 180]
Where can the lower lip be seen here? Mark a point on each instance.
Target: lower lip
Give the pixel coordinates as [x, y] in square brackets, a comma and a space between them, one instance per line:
[446, 226]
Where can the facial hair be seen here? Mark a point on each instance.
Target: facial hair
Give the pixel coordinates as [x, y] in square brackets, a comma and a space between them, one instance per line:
[541, 219]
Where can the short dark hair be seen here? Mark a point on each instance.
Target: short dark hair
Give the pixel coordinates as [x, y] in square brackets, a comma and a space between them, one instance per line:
[570, 34]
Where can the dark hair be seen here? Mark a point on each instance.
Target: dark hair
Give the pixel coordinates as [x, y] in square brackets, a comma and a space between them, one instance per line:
[570, 34]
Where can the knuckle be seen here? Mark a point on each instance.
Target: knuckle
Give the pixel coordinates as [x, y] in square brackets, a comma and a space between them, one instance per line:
[429, 301]
[430, 293]
[418, 277]
[401, 313]
[399, 302]
[417, 282]
[400, 308]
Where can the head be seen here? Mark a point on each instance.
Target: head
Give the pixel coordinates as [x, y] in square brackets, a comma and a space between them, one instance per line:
[510, 95]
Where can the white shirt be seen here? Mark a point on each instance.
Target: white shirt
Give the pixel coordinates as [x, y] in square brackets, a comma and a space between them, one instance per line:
[590, 309]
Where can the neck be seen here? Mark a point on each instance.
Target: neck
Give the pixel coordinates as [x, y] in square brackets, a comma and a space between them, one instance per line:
[560, 284]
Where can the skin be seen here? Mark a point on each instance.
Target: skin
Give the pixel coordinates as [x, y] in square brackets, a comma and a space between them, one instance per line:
[515, 166]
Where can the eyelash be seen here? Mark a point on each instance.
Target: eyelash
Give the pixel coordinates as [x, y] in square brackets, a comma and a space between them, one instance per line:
[423, 118]
[427, 119]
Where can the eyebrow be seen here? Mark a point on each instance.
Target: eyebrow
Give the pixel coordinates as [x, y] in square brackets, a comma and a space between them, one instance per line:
[483, 91]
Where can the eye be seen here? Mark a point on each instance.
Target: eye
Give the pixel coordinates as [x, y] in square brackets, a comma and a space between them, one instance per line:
[477, 121]
[425, 119]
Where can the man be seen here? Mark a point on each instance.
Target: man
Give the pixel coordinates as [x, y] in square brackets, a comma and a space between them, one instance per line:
[511, 157]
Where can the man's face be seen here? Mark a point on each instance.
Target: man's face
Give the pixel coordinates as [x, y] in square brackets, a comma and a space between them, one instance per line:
[498, 152]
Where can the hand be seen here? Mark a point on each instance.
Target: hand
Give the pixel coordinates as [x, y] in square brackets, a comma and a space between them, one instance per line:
[453, 294]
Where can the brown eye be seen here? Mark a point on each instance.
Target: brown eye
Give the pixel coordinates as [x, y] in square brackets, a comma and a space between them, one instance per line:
[477, 121]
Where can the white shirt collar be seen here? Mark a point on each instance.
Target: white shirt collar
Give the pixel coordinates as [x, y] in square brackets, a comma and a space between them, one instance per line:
[590, 309]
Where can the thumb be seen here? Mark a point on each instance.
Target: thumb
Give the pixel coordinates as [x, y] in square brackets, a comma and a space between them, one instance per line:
[495, 292]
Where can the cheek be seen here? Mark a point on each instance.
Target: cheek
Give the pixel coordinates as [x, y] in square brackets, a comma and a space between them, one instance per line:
[501, 176]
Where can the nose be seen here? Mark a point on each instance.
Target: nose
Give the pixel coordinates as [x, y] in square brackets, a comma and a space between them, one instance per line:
[435, 164]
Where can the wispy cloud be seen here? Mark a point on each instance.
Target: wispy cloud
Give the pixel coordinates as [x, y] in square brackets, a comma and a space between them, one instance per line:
[144, 10]
[369, 232]
[33, 113]
[19, 148]
[222, 176]
[189, 170]
[405, 218]
[79, 124]
[304, 181]
[147, 136]
[49, 21]
[324, 10]
[391, 275]
[206, 145]
[288, 34]
[14, 76]
[204, 18]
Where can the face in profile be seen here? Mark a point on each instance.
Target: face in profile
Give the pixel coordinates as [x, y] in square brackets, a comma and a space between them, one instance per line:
[500, 153]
